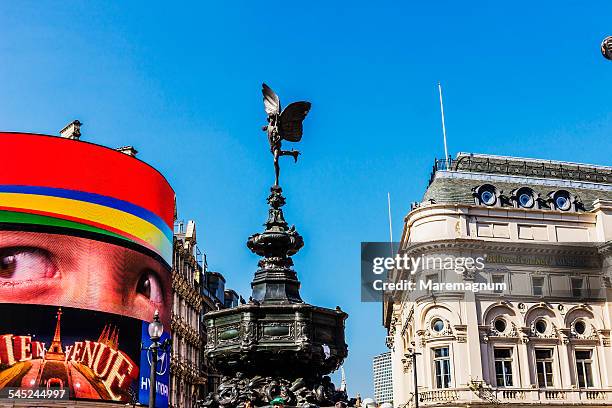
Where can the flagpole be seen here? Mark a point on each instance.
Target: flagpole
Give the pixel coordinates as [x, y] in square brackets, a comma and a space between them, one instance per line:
[390, 224]
[443, 126]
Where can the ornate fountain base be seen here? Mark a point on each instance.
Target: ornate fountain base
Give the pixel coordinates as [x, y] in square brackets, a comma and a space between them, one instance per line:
[271, 350]
[236, 391]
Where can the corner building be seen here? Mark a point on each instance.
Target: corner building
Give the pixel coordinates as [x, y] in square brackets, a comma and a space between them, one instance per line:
[544, 231]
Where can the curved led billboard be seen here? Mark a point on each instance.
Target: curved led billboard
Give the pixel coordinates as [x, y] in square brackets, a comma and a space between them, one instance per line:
[85, 255]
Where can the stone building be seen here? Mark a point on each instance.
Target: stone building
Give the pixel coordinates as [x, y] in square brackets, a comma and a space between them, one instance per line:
[186, 371]
[196, 291]
[213, 293]
[531, 323]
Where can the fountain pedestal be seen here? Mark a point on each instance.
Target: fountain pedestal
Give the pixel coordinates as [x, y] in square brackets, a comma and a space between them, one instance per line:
[276, 345]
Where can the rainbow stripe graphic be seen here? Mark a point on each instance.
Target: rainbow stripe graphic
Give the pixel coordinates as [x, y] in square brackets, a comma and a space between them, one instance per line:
[109, 194]
[85, 211]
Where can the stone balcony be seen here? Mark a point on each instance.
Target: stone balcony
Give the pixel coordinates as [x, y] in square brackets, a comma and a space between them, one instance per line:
[459, 397]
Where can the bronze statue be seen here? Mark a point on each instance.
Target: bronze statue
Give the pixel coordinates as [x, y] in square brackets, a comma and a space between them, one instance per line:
[283, 125]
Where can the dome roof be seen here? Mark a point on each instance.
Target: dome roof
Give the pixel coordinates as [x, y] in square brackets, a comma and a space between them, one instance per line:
[368, 402]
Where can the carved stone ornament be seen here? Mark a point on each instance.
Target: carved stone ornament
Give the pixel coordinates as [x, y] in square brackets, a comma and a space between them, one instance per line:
[407, 363]
[389, 342]
[590, 332]
[510, 332]
[469, 274]
[604, 335]
[552, 332]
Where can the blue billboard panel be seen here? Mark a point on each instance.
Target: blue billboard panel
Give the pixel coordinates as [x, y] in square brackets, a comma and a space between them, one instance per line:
[162, 371]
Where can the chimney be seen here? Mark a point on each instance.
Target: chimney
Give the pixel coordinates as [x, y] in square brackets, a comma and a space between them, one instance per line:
[129, 150]
[72, 130]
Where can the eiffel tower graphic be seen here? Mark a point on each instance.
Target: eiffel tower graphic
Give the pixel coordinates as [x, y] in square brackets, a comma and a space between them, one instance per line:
[55, 351]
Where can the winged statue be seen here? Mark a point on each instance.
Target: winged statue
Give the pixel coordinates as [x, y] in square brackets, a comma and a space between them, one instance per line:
[283, 124]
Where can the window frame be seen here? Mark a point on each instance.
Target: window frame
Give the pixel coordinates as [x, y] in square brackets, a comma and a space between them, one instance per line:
[434, 278]
[506, 363]
[533, 286]
[590, 361]
[550, 361]
[503, 280]
[581, 288]
[438, 362]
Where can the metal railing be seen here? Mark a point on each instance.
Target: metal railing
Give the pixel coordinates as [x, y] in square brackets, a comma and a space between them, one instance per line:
[524, 167]
[586, 396]
[440, 164]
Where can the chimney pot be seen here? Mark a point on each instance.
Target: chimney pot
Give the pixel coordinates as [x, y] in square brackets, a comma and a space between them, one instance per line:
[129, 150]
[72, 130]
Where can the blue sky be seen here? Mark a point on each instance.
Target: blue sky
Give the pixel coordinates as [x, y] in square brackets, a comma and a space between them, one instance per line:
[182, 83]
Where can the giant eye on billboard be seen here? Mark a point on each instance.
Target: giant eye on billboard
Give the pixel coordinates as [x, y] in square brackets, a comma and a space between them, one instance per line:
[85, 254]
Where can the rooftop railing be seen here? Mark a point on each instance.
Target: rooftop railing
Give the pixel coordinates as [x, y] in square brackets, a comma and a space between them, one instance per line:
[440, 164]
[524, 167]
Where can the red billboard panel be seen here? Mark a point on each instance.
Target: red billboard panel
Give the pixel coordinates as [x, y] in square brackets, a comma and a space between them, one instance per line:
[85, 250]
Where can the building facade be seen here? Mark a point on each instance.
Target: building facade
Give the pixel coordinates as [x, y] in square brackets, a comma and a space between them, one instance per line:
[528, 320]
[186, 371]
[213, 292]
[196, 291]
[383, 378]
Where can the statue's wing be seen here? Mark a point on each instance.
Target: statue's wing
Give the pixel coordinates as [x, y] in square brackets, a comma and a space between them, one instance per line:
[271, 100]
[291, 121]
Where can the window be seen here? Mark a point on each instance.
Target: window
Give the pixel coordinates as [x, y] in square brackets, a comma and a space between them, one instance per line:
[525, 199]
[437, 325]
[485, 195]
[577, 287]
[580, 327]
[583, 367]
[433, 278]
[503, 366]
[541, 326]
[498, 281]
[561, 200]
[500, 325]
[442, 367]
[544, 367]
[537, 283]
